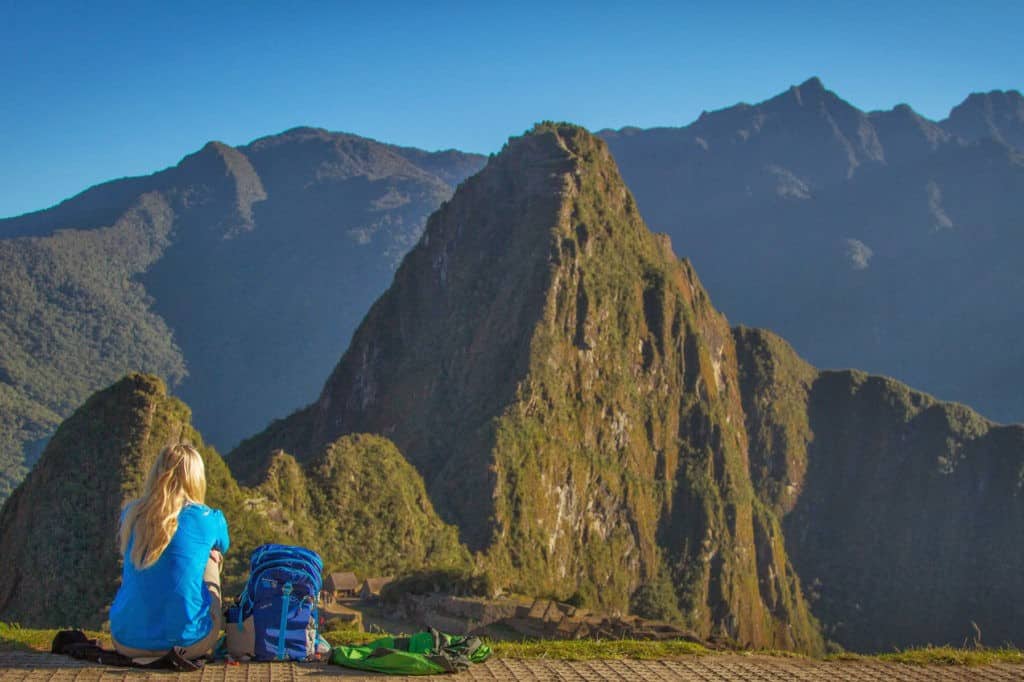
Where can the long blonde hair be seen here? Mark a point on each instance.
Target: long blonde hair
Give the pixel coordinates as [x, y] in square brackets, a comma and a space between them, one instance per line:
[177, 478]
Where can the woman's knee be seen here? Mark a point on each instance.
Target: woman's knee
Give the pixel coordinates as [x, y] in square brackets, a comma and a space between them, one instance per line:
[211, 574]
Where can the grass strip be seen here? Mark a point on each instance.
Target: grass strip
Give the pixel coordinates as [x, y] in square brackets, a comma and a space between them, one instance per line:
[15, 637]
[594, 649]
[939, 655]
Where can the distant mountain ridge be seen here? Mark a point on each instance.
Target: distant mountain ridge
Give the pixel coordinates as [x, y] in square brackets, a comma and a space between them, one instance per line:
[878, 240]
[237, 275]
[998, 114]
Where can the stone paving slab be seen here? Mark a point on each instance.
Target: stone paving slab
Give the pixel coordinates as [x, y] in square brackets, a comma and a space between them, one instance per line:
[36, 667]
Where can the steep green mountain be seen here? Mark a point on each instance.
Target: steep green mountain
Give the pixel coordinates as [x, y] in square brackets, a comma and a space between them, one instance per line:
[570, 396]
[237, 275]
[880, 240]
[362, 506]
[58, 529]
[903, 516]
[593, 427]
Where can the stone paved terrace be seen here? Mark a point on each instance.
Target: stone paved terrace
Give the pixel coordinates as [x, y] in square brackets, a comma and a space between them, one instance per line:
[36, 667]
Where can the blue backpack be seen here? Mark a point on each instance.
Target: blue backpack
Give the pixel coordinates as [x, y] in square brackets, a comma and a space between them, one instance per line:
[276, 616]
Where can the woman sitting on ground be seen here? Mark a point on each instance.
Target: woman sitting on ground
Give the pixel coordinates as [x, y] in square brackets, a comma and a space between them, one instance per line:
[173, 547]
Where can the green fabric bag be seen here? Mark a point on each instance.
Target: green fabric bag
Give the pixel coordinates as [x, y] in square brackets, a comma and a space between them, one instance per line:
[424, 653]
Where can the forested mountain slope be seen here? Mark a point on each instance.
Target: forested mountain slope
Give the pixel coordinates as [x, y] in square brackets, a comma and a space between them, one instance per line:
[237, 275]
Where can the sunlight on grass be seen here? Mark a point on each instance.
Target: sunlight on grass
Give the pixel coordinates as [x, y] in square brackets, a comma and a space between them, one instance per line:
[591, 649]
[13, 636]
[939, 655]
[347, 636]
[565, 650]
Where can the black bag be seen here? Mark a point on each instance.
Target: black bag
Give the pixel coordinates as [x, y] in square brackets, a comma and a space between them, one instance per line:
[75, 644]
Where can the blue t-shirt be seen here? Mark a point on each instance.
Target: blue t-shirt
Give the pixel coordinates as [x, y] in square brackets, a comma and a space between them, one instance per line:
[166, 604]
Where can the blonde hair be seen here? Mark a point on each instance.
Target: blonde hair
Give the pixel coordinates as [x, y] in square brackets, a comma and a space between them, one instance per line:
[177, 478]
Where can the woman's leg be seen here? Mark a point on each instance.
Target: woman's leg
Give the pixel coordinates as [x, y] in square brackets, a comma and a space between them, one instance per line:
[140, 656]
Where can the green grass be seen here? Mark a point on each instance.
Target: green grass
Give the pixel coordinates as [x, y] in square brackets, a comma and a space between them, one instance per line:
[939, 655]
[14, 637]
[593, 649]
[336, 637]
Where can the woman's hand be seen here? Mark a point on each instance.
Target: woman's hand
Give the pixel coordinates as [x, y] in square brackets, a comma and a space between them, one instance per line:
[217, 556]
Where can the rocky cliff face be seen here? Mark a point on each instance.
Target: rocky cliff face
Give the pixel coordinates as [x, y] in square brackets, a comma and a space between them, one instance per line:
[902, 514]
[562, 382]
[238, 272]
[58, 531]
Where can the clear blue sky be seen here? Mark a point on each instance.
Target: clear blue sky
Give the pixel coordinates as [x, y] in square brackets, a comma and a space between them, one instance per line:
[91, 91]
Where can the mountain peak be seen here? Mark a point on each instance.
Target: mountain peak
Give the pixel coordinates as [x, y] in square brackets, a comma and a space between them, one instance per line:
[514, 362]
[993, 100]
[997, 114]
[811, 92]
[554, 138]
[219, 165]
[812, 84]
[904, 134]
